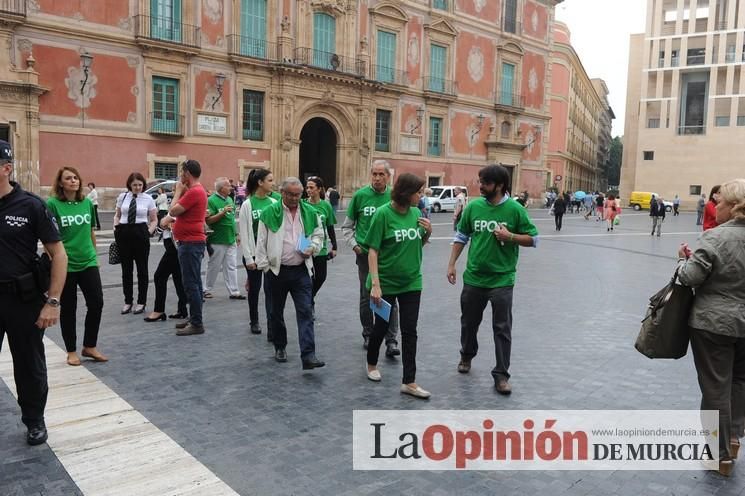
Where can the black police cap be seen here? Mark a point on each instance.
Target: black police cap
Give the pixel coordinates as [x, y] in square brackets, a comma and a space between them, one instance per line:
[6, 154]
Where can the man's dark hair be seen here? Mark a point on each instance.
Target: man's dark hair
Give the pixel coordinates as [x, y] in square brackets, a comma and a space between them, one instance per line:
[135, 176]
[406, 185]
[496, 174]
[193, 168]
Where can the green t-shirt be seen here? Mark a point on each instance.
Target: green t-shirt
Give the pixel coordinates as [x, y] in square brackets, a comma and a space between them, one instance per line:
[491, 263]
[328, 218]
[75, 220]
[257, 206]
[398, 239]
[362, 208]
[276, 196]
[223, 231]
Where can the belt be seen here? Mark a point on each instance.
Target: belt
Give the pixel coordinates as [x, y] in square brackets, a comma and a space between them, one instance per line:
[283, 266]
[8, 287]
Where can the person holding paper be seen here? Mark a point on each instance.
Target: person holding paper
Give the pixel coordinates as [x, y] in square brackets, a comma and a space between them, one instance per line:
[290, 233]
[316, 198]
[497, 226]
[395, 240]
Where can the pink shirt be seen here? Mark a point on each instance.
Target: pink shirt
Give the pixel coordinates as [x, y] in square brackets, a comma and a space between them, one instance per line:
[292, 228]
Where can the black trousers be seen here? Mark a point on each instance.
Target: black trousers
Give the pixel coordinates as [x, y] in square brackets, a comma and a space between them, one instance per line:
[255, 278]
[98, 221]
[720, 365]
[320, 266]
[408, 314]
[366, 315]
[169, 267]
[134, 248]
[89, 281]
[473, 301]
[557, 220]
[17, 320]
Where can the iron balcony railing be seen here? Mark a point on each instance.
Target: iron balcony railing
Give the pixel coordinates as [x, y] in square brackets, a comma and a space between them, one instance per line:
[388, 75]
[507, 99]
[255, 48]
[329, 61]
[166, 29]
[166, 123]
[440, 85]
[13, 7]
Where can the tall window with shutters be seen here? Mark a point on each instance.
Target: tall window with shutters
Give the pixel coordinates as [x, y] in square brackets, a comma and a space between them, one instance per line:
[507, 86]
[435, 137]
[509, 23]
[437, 63]
[386, 63]
[440, 4]
[165, 105]
[165, 19]
[253, 115]
[383, 130]
[253, 28]
[324, 40]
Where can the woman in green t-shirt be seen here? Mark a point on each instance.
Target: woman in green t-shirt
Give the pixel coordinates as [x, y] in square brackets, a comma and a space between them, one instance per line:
[76, 220]
[395, 239]
[259, 188]
[317, 199]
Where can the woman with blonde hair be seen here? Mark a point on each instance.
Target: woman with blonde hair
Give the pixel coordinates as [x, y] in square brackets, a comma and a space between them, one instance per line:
[716, 268]
[76, 219]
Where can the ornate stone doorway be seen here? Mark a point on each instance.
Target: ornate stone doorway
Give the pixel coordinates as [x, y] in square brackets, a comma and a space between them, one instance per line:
[318, 142]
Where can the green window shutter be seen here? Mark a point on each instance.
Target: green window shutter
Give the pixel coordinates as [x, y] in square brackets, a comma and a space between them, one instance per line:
[508, 83]
[253, 115]
[382, 130]
[324, 39]
[435, 136]
[165, 19]
[165, 105]
[437, 58]
[386, 56]
[440, 4]
[253, 28]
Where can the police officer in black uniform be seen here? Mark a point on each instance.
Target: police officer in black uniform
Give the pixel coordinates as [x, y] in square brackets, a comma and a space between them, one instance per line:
[26, 308]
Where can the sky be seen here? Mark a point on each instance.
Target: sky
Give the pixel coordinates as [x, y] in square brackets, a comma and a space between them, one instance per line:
[600, 36]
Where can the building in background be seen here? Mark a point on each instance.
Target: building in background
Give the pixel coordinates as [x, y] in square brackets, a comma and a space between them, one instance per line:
[305, 87]
[579, 120]
[685, 109]
[604, 136]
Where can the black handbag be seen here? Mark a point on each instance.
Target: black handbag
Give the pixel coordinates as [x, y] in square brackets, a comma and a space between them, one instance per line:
[664, 332]
[114, 258]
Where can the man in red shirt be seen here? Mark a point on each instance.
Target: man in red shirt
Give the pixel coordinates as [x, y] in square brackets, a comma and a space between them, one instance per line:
[189, 208]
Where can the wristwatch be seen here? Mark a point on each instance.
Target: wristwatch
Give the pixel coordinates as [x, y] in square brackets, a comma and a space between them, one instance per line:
[53, 302]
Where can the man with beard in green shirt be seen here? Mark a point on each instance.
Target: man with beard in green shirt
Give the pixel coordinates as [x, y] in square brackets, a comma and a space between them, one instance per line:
[497, 226]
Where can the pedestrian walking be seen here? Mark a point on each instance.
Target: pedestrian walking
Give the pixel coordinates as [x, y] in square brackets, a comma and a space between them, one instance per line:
[222, 238]
[334, 197]
[316, 198]
[657, 213]
[676, 206]
[599, 208]
[710, 209]
[189, 206]
[135, 220]
[290, 234]
[460, 204]
[259, 187]
[716, 269]
[700, 205]
[168, 267]
[161, 203]
[360, 211]
[29, 295]
[397, 234]
[93, 197]
[74, 214]
[496, 226]
[611, 211]
[559, 209]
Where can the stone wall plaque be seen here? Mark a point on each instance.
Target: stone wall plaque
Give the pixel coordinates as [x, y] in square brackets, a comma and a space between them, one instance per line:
[212, 124]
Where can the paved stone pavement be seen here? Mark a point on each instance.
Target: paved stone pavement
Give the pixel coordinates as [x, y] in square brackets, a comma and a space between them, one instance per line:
[270, 429]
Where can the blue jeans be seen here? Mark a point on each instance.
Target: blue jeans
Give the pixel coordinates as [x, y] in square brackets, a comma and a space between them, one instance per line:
[190, 258]
[293, 279]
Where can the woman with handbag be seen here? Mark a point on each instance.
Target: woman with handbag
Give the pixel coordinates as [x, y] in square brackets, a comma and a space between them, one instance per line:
[716, 269]
[135, 221]
[76, 217]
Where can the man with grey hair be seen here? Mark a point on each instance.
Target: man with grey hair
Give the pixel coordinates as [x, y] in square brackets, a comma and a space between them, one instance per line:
[290, 234]
[361, 209]
[221, 219]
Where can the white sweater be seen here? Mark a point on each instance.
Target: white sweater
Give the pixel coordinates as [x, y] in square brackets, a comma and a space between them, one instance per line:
[246, 229]
[268, 254]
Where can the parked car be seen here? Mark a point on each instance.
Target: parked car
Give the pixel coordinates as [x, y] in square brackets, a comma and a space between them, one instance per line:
[443, 197]
[168, 186]
[641, 199]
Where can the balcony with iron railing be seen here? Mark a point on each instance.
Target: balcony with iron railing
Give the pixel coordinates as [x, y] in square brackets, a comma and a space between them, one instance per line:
[440, 88]
[329, 61]
[244, 46]
[388, 75]
[13, 10]
[165, 32]
[508, 100]
[166, 123]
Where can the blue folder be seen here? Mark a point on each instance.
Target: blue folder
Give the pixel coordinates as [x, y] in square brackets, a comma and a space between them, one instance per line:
[384, 310]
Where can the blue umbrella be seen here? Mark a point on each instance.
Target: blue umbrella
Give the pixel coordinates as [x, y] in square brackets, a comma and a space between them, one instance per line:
[579, 195]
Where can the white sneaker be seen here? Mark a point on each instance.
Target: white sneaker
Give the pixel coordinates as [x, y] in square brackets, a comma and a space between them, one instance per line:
[374, 375]
[417, 391]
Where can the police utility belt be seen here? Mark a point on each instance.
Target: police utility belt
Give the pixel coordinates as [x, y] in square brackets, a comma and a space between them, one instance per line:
[30, 286]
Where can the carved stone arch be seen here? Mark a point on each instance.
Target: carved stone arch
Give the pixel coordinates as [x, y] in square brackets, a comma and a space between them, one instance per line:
[339, 117]
[391, 11]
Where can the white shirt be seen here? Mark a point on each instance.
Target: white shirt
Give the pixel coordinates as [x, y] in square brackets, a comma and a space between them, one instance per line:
[292, 230]
[145, 204]
[93, 196]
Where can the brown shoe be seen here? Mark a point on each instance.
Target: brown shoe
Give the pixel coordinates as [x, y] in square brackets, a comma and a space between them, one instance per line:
[190, 330]
[726, 467]
[734, 448]
[464, 366]
[503, 387]
[182, 325]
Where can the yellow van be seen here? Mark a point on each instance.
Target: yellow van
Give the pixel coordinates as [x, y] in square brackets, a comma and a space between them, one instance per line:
[641, 200]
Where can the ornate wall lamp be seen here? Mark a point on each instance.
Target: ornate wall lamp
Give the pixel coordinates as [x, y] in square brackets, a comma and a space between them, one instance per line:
[479, 126]
[419, 116]
[86, 59]
[219, 83]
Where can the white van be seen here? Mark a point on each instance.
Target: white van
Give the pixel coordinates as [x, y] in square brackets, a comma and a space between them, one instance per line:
[443, 197]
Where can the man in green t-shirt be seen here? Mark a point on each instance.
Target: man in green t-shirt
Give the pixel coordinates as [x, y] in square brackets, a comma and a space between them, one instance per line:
[221, 219]
[497, 226]
[360, 212]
